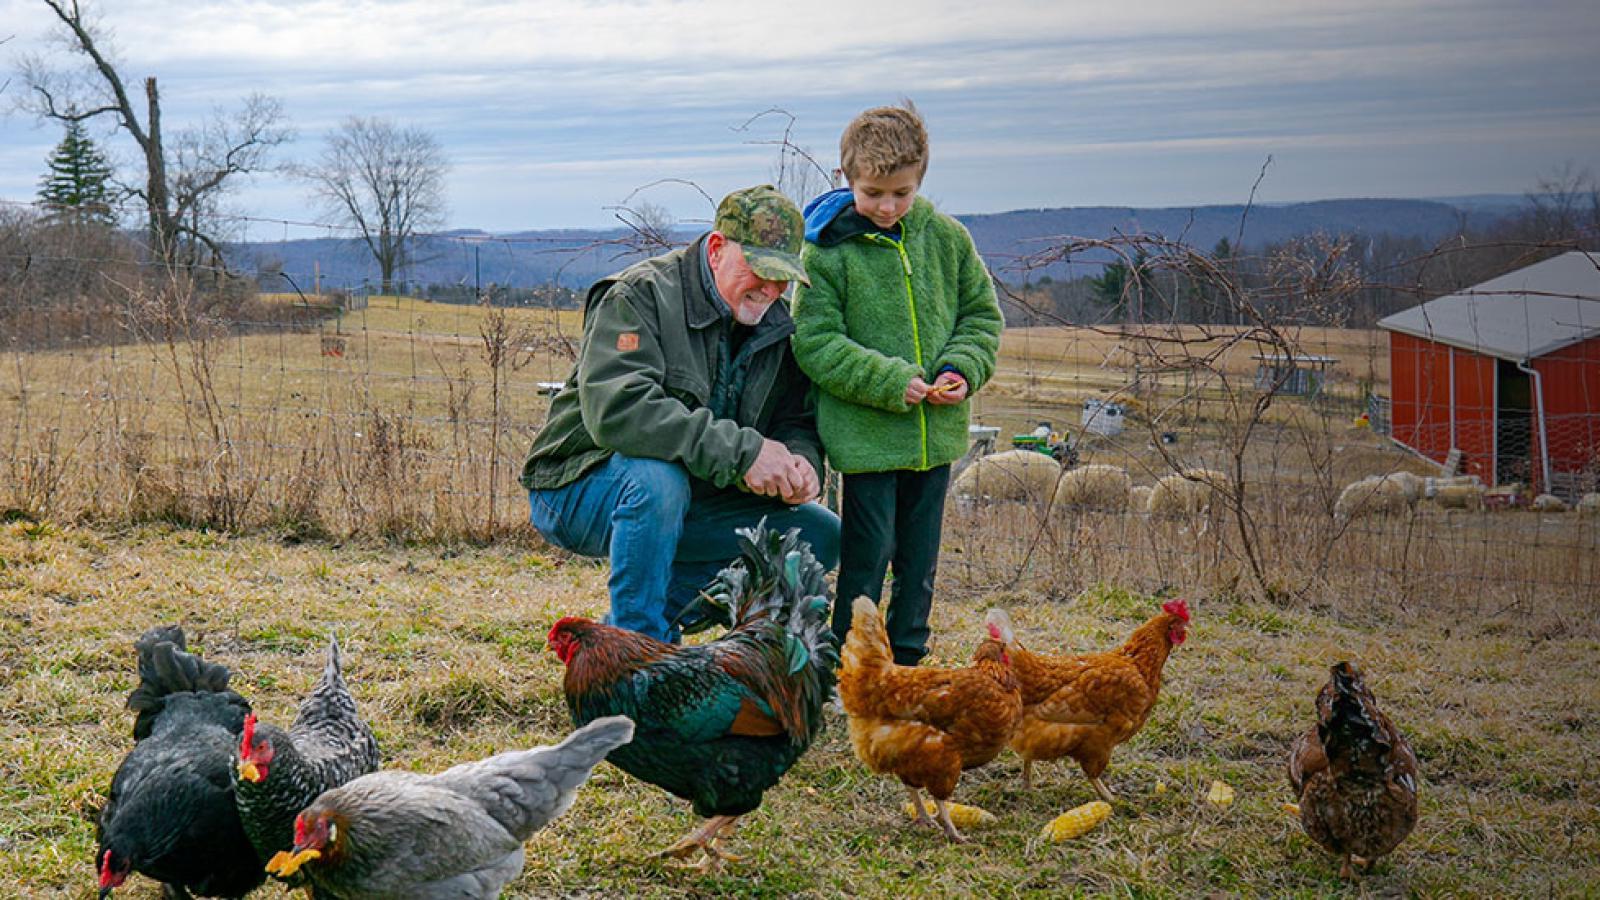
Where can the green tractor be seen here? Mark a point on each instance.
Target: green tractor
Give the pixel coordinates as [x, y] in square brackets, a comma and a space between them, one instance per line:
[1045, 439]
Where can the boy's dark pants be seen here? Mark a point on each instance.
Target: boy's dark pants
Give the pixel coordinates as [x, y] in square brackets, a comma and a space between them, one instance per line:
[892, 519]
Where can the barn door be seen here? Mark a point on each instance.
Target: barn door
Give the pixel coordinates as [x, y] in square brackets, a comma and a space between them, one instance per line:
[1513, 425]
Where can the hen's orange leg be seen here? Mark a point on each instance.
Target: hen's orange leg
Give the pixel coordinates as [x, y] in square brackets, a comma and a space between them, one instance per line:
[1101, 789]
[1027, 774]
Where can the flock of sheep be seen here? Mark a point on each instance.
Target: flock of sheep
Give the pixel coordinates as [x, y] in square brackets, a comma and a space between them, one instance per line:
[1029, 475]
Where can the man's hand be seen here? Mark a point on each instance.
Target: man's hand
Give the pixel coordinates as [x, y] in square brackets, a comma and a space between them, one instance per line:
[772, 474]
[948, 389]
[916, 390]
[804, 477]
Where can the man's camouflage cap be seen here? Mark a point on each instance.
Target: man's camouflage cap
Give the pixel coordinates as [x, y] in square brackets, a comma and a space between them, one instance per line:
[769, 228]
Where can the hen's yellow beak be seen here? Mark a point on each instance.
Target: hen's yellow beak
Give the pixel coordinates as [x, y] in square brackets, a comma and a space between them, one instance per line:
[283, 863]
[248, 771]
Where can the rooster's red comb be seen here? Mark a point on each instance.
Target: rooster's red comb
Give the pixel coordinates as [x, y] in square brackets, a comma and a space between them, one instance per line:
[249, 738]
[1176, 608]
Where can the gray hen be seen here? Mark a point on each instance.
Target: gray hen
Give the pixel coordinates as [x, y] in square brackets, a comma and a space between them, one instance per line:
[279, 773]
[457, 834]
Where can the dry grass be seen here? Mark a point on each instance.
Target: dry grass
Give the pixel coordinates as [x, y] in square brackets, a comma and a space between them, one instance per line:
[1477, 629]
[414, 432]
[444, 652]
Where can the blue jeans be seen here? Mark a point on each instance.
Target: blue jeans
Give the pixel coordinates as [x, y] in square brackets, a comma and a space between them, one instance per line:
[663, 545]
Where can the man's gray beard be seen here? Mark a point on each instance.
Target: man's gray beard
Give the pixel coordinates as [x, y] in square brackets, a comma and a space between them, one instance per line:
[742, 313]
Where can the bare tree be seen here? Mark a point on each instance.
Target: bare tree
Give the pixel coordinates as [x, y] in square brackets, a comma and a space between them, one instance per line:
[178, 190]
[796, 171]
[1565, 206]
[385, 181]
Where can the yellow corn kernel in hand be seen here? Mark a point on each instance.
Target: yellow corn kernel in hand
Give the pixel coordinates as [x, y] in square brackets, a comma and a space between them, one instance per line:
[961, 815]
[1077, 821]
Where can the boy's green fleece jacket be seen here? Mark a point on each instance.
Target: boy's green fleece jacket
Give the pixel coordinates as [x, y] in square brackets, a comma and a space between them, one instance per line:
[879, 312]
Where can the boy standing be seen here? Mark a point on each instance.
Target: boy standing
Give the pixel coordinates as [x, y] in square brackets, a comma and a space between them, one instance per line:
[898, 327]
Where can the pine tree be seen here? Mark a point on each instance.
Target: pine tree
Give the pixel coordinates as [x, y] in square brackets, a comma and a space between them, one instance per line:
[78, 184]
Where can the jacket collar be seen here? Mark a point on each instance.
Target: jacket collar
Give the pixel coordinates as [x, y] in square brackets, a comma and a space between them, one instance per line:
[700, 309]
[831, 218]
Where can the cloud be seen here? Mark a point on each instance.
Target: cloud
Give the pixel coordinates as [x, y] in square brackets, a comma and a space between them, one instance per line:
[544, 104]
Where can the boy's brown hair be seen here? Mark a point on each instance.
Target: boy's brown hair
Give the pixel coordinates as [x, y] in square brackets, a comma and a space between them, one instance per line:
[882, 140]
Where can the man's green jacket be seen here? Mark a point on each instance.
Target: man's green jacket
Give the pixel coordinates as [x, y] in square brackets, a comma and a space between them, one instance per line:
[653, 352]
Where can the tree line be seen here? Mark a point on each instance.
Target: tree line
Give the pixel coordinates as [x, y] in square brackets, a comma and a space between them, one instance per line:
[1151, 280]
[384, 180]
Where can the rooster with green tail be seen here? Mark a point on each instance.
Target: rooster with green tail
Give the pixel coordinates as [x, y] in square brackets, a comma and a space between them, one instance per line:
[721, 722]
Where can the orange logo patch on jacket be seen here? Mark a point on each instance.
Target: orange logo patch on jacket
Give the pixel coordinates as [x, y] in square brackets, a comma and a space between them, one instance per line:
[628, 340]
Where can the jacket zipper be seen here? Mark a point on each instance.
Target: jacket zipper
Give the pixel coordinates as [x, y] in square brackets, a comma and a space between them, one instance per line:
[916, 339]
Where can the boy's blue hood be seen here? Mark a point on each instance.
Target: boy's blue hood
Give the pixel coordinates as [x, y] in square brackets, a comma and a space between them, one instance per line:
[822, 210]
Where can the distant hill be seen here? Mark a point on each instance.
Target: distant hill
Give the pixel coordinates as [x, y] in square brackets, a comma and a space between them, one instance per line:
[575, 258]
[1008, 239]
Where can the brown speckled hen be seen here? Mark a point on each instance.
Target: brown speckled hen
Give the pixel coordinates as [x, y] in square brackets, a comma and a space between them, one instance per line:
[1354, 773]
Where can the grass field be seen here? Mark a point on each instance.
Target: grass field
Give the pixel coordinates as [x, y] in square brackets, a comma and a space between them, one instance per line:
[369, 493]
[444, 651]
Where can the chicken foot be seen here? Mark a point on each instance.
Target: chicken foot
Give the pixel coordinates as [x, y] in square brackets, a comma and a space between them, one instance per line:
[945, 823]
[704, 840]
[1104, 792]
[1352, 866]
[919, 818]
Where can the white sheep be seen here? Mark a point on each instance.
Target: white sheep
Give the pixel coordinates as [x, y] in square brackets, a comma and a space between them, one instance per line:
[1549, 503]
[1185, 493]
[1095, 486]
[1589, 505]
[1139, 498]
[1415, 485]
[1009, 475]
[1376, 495]
[1459, 496]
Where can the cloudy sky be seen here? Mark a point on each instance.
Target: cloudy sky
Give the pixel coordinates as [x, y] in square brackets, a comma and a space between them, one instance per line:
[551, 111]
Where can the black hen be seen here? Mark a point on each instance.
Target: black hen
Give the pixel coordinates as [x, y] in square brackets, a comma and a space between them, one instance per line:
[171, 814]
[281, 772]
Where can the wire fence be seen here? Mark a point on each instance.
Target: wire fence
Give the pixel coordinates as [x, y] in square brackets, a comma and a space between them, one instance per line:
[138, 399]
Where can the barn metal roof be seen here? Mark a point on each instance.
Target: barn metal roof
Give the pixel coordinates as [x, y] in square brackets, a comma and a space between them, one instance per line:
[1521, 315]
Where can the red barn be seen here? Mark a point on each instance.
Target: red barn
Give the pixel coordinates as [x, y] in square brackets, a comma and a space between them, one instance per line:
[1508, 373]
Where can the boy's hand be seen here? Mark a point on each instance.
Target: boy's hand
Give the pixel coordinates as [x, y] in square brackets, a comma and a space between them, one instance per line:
[948, 389]
[917, 390]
